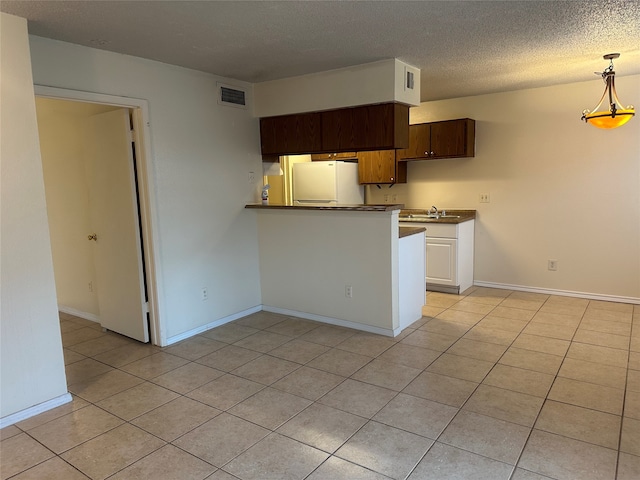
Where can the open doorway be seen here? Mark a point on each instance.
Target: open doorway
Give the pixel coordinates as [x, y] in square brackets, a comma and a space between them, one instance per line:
[95, 180]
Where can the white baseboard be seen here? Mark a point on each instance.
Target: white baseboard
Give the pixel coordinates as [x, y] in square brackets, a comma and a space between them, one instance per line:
[209, 326]
[333, 321]
[78, 313]
[35, 410]
[293, 313]
[563, 293]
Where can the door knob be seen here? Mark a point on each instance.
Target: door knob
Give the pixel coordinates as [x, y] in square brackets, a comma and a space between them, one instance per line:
[93, 237]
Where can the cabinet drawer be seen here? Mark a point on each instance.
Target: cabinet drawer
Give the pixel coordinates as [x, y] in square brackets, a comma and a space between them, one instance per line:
[323, 157]
[442, 230]
[435, 230]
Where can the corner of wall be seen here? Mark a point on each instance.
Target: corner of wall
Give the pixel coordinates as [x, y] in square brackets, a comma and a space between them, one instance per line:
[31, 346]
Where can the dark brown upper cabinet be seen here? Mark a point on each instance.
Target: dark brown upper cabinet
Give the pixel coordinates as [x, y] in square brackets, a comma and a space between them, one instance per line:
[291, 134]
[369, 127]
[446, 139]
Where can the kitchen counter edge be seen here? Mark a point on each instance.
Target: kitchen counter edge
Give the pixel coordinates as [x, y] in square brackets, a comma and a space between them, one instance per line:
[335, 208]
[408, 231]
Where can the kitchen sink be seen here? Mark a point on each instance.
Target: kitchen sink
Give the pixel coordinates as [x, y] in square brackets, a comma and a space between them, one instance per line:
[419, 216]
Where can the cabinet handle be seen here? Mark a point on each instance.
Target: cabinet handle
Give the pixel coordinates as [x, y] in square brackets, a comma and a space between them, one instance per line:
[391, 179]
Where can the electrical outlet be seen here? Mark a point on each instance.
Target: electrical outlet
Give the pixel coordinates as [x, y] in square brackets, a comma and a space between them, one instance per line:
[348, 291]
[252, 178]
[386, 198]
[485, 198]
[394, 198]
[204, 294]
[552, 265]
[91, 286]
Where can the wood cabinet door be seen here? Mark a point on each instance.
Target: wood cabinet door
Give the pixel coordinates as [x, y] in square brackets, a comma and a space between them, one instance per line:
[291, 134]
[368, 127]
[419, 142]
[380, 166]
[448, 139]
[377, 166]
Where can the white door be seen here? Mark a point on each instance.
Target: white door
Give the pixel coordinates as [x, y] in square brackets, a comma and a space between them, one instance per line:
[115, 219]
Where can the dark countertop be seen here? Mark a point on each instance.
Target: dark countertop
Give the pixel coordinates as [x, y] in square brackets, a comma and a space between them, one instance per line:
[407, 231]
[335, 208]
[458, 216]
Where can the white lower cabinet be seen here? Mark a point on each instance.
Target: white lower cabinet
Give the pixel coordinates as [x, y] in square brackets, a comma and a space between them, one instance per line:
[442, 261]
[449, 256]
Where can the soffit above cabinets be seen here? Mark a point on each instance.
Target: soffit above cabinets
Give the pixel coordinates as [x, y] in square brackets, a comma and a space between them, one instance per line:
[378, 82]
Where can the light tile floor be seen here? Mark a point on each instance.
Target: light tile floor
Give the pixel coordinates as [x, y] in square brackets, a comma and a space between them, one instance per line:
[489, 385]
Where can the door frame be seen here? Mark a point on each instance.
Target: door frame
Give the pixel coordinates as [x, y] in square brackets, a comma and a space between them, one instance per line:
[146, 196]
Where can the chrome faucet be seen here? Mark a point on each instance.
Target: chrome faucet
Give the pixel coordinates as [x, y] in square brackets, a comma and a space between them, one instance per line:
[433, 210]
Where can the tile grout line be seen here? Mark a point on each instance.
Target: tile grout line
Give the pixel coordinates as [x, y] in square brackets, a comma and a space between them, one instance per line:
[476, 388]
[470, 395]
[515, 465]
[300, 365]
[624, 400]
[546, 398]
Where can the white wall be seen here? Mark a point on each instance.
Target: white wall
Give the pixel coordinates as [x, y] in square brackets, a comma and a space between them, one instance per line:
[307, 257]
[376, 82]
[559, 189]
[32, 364]
[60, 127]
[201, 156]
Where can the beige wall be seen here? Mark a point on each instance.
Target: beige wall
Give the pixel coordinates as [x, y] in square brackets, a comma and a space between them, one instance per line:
[200, 155]
[307, 258]
[559, 189]
[32, 365]
[62, 134]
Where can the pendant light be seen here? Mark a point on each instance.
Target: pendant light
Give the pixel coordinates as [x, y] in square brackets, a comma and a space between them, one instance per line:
[615, 116]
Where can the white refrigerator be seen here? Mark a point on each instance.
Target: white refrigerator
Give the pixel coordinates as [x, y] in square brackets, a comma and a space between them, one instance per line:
[327, 183]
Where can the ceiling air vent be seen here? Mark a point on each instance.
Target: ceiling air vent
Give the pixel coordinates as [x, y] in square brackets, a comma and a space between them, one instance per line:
[231, 96]
[408, 75]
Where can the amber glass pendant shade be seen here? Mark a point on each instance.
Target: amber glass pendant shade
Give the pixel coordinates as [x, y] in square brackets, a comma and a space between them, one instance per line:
[616, 115]
[606, 120]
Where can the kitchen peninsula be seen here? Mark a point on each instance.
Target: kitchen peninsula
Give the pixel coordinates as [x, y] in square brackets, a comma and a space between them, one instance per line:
[345, 265]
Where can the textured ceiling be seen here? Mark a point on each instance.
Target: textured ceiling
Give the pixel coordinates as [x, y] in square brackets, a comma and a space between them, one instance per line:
[462, 47]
